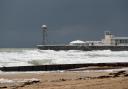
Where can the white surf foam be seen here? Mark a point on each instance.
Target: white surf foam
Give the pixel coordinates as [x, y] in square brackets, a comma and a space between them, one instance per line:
[22, 57]
[2, 80]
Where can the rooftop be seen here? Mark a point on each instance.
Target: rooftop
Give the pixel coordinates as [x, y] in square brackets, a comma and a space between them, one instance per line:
[120, 38]
[77, 41]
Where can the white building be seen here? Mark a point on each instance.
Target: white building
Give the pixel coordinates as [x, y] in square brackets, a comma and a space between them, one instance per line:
[77, 43]
[93, 43]
[121, 41]
[109, 40]
[86, 43]
[113, 40]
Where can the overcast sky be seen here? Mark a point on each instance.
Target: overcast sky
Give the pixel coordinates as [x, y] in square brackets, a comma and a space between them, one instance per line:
[67, 20]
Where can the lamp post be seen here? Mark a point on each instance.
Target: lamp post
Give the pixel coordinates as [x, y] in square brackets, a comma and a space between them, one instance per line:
[44, 29]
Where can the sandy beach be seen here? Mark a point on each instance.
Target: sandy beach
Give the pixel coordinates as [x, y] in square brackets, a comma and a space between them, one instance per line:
[89, 79]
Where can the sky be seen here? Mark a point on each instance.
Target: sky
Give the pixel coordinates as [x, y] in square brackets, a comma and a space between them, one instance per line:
[67, 20]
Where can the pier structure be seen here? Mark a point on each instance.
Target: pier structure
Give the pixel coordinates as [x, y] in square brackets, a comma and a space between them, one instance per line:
[109, 42]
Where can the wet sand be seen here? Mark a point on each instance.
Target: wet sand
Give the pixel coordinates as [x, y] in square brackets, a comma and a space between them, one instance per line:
[88, 79]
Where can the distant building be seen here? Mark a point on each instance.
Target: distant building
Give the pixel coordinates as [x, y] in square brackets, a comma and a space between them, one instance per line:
[113, 40]
[109, 40]
[77, 43]
[121, 41]
[94, 43]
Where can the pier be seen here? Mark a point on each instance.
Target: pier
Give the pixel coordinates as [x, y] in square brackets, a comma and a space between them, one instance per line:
[84, 48]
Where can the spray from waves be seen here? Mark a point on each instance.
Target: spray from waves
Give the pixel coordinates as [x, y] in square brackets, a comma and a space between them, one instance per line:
[23, 57]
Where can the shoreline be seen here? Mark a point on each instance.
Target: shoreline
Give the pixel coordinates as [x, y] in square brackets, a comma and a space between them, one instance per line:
[91, 79]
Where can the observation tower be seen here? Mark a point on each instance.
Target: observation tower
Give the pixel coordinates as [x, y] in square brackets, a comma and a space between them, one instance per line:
[44, 30]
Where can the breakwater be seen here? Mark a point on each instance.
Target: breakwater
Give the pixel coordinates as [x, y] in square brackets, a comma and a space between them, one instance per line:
[56, 67]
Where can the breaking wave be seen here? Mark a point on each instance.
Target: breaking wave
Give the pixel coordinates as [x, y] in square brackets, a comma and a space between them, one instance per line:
[23, 57]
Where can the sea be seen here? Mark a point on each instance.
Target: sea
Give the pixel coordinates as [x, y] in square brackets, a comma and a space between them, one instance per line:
[34, 56]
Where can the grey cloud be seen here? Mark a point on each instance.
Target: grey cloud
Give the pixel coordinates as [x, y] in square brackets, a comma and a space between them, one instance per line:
[67, 20]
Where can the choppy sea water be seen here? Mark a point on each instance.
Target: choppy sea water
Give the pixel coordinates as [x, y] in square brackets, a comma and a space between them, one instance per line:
[27, 56]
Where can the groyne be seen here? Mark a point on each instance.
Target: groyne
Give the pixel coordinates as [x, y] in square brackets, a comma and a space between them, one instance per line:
[55, 67]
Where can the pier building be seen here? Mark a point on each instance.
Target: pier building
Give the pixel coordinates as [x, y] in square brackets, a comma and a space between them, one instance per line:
[113, 40]
[108, 40]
